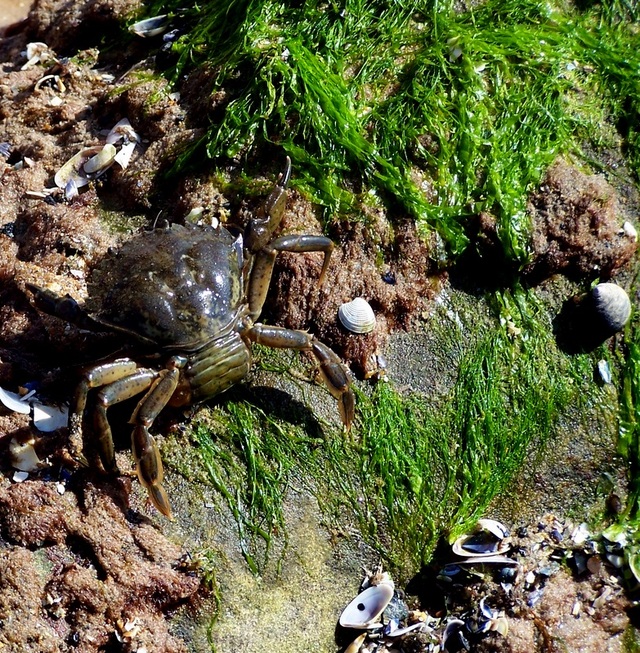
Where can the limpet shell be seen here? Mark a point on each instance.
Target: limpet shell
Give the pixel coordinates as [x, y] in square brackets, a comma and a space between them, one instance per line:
[365, 610]
[611, 305]
[357, 316]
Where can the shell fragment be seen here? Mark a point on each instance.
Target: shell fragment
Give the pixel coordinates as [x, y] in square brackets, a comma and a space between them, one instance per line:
[13, 402]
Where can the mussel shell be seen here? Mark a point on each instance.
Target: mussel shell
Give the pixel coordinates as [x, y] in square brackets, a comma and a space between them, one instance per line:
[357, 316]
[366, 608]
[611, 306]
[150, 26]
[489, 538]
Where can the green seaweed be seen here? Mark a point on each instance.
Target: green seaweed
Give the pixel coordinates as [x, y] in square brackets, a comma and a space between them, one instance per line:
[414, 471]
[365, 94]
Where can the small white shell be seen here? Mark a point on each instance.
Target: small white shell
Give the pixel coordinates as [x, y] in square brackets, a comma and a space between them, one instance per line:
[612, 305]
[49, 418]
[629, 231]
[23, 456]
[357, 316]
[12, 401]
[366, 608]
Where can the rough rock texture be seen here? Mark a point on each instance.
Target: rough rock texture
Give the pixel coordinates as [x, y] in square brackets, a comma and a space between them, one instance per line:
[577, 226]
[76, 572]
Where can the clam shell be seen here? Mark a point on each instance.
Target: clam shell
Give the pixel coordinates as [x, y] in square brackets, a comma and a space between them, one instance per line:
[49, 418]
[488, 538]
[150, 26]
[23, 456]
[611, 305]
[366, 608]
[357, 316]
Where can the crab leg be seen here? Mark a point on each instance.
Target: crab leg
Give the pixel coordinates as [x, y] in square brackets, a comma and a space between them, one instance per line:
[143, 444]
[333, 373]
[266, 258]
[111, 394]
[101, 375]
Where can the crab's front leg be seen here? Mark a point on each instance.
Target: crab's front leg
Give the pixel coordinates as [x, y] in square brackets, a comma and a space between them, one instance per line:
[265, 260]
[119, 380]
[333, 373]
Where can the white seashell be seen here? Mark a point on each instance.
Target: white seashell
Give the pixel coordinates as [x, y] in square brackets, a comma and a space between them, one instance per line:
[357, 316]
[366, 608]
[399, 632]
[488, 538]
[150, 26]
[13, 402]
[604, 371]
[487, 560]
[612, 305]
[629, 231]
[18, 477]
[49, 418]
[123, 157]
[101, 161]
[23, 456]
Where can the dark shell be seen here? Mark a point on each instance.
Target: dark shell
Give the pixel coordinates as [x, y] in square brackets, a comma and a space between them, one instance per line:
[611, 305]
[174, 287]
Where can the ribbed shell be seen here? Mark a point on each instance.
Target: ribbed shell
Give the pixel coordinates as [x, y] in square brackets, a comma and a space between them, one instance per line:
[357, 316]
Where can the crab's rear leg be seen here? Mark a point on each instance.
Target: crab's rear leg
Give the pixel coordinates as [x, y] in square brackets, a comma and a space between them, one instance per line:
[145, 450]
[333, 373]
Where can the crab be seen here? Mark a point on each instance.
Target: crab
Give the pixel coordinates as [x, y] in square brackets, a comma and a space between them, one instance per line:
[188, 298]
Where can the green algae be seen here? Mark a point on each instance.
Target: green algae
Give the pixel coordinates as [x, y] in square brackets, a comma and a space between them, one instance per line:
[363, 95]
[414, 471]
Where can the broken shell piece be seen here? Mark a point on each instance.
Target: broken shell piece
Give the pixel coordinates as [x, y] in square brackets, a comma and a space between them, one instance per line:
[101, 161]
[24, 456]
[611, 305]
[488, 538]
[49, 418]
[37, 52]
[150, 26]
[122, 131]
[455, 635]
[357, 316]
[18, 477]
[367, 607]
[13, 402]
